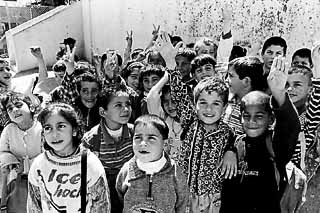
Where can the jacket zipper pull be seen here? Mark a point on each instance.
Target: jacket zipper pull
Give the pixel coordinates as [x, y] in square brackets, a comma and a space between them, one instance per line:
[149, 196]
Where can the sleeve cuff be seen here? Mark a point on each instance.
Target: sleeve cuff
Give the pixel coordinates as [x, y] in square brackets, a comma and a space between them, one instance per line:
[227, 35]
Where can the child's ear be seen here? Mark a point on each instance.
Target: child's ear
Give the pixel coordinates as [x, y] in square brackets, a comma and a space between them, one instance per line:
[247, 82]
[32, 108]
[102, 112]
[271, 119]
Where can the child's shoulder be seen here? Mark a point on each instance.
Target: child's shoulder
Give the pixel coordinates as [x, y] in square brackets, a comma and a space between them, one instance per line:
[91, 133]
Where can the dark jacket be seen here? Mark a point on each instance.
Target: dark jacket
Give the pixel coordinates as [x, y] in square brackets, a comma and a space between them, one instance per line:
[262, 174]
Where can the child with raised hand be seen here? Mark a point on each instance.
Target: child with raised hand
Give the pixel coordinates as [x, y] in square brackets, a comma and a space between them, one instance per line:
[207, 152]
[262, 153]
[111, 139]
[55, 175]
[151, 181]
[22, 136]
[159, 102]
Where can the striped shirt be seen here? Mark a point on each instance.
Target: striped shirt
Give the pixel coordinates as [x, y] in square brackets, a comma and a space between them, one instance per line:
[309, 121]
[232, 116]
[112, 153]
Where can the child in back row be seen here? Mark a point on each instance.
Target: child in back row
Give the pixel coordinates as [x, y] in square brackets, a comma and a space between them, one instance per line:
[263, 154]
[151, 181]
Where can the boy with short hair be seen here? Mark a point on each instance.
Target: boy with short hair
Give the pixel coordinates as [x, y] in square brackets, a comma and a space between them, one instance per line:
[304, 91]
[272, 47]
[207, 141]
[111, 140]
[245, 74]
[263, 154]
[183, 62]
[151, 181]
[302, 57]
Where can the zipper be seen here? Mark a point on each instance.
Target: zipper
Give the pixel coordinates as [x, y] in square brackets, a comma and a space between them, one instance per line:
[149, 195]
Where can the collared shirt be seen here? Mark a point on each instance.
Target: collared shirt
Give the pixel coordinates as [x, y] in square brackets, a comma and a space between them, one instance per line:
[112, 154]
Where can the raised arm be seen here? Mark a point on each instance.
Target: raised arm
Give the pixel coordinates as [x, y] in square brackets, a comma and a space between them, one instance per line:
[43, 72]
[226, 39]
[180, 92]
[153, 97]
[287, 125]
[127, 50]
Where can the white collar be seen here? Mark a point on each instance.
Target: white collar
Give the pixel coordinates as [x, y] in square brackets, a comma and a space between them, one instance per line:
[152, 167]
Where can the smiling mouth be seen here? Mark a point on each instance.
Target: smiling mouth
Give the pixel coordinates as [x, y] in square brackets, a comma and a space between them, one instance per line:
[143, 152]
[57, 142]
[18, 116]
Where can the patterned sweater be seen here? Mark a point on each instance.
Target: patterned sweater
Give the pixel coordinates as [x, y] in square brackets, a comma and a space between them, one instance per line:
[54, 184]
[201, 151]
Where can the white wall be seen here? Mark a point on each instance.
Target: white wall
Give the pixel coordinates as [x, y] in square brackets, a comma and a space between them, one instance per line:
[46, 31]
[106, 22]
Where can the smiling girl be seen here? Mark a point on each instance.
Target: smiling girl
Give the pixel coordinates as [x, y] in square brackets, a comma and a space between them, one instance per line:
[55, 177]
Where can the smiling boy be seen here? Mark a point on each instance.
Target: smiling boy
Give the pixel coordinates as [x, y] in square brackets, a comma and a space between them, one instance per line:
[111, 140]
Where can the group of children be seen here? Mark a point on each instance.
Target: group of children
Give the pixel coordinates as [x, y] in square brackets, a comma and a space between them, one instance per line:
[163, 129]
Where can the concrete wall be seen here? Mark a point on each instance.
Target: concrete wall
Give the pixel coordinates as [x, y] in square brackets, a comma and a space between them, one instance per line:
[46, 31]
[107, 21]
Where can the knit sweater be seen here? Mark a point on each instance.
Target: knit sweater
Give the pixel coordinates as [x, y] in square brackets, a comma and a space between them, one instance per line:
[21, 143]
[54, 184]
[163, 192]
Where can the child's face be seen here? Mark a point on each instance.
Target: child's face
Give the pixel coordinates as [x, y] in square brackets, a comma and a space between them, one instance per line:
[156, 59]
[58, 132]
[235, 84]
[270, 53]
[183, 65]
[5, 74]
[204, 71]
[133, 79]
[297, 60]
[147, 143]
[207, 49]
[59, 75]
[118, 112]
[18, 111]
[149, 81]
[298, 88]
[88, 93]
[255, 120]
[169, 106]
[209, 108]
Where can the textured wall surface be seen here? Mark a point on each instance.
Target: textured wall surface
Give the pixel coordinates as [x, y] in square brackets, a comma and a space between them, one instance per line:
[295, 20]
[254, 20]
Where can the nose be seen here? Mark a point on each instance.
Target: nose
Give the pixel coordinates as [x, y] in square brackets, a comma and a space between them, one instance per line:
[143, 143]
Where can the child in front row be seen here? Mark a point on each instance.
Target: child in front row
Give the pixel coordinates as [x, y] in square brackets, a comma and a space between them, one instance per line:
[263, 154]
[55, 175]
[151, 181]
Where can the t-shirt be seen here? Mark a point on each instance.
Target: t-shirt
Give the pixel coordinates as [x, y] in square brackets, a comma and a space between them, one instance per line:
[54, 184]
